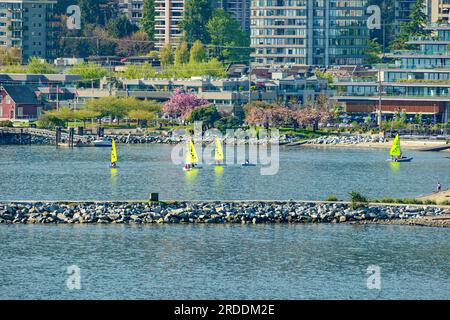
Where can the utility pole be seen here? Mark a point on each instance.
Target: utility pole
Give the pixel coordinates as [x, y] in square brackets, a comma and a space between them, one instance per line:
[57, 97]
[380, 113]
[249, 82]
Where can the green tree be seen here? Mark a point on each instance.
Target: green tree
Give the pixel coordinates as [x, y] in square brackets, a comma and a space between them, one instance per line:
[118, 107]
[120, 27]
[147, 21]
[195, 18]
[85, 115]
[198, 52]
[166, 55]
[38, 66]
[90, 10]
[88, 71]
[153, 54]
[228, 122]
[227, 37]
[49, 121]
[10, 56]
[181, 53]
[373, 52]
[15, 68]
[322, 102]
[134, 71]
[414, 27]
[419, 19]
[141, 116]
[207, 115]
[57, 117]
[418, 118]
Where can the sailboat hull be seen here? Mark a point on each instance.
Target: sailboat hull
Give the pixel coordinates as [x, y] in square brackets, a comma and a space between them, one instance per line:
[405, 159]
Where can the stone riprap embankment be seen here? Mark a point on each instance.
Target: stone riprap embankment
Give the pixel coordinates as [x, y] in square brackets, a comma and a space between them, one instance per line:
[50, 137]
[209, 212]
[133, 139]
[333, 140]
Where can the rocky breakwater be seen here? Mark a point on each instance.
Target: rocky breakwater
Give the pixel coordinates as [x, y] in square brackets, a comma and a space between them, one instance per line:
[241, 212]
[163, 139]
[334, 140]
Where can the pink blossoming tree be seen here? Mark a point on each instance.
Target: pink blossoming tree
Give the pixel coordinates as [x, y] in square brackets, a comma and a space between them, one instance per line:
[181, 104]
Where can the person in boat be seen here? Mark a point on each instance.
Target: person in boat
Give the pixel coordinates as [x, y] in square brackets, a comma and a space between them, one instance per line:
[396, 159]
[247, 162]
[113, 165]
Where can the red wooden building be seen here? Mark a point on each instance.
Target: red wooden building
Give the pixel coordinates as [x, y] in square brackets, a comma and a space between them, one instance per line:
[19, 103]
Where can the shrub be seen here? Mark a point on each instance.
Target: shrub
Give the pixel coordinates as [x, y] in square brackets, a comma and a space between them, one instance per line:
[6, 123]
[412, 201]
[331, 197]
[429, 202]
[357, 200]
[385, 200]
[49, 122]
[445, 203]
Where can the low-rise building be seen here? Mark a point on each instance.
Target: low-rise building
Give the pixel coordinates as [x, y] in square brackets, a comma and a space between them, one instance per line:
[419, 82]
[19, 103]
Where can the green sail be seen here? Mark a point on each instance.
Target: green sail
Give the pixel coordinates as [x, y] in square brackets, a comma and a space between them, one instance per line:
[395, 149]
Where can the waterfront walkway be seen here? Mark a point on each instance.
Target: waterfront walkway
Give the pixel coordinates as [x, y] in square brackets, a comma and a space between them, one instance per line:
[439, 197]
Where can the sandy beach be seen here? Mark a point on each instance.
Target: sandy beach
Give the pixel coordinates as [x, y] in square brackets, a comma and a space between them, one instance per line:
[439, 197]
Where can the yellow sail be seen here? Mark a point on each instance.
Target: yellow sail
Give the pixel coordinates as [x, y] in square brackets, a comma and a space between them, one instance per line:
[192, 152]
[113, 152]
[188, 153]
[218, 152]
[395, 149]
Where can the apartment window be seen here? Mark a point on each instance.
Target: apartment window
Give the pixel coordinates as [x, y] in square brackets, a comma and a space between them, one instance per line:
[19, 111]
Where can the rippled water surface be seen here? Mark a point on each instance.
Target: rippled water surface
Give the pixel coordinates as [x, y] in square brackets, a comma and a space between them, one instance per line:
[43, 172]
[228, 262]
[224, 262]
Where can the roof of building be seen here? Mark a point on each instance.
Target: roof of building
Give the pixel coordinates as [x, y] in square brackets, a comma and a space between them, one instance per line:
[21, 94]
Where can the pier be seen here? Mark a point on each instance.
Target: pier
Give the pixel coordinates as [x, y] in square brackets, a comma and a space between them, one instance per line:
[14, 136]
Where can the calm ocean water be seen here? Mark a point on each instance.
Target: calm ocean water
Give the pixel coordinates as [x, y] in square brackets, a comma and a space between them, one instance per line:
[224, 262]
[45, 173]
[219, 262]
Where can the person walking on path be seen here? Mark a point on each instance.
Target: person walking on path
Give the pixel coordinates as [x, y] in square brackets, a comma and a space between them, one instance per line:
[438, 187]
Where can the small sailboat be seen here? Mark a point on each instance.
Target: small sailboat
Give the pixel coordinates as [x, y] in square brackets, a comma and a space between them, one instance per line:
[248, 164]
[114, 158]
[191, 156]
[396, 152]
[218, 153]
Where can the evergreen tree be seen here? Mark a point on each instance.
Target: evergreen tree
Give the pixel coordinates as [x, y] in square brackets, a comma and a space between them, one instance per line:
[373, 52]
[414, 27]
[419, 19]
[90, 10]
[196, 16]
[120, 27]
[148, 18]
[227, 37]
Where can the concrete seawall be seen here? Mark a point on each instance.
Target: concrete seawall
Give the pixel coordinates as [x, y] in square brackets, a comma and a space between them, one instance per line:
[218, 212]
